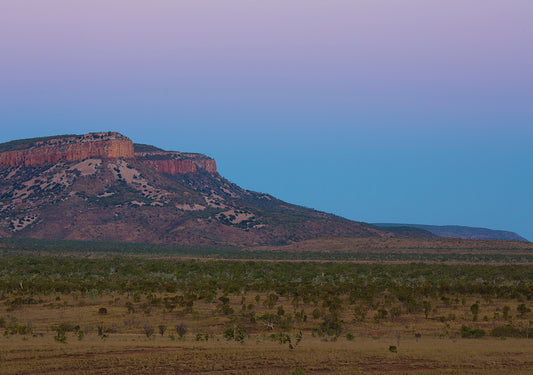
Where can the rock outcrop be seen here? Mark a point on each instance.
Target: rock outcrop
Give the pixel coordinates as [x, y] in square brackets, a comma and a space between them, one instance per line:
[41, 151]
[66, 148]
[176, 162]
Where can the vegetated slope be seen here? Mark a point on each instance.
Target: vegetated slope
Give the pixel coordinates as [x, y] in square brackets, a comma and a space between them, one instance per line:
[392, 245]
[457, 231]
[101, 187]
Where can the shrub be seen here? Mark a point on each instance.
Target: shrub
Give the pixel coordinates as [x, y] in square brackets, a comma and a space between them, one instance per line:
[271, 300]
[359, 313]
[202, 337]
[381, 314]
[506, 331]
[23, 329]
[60, 337]
[471, 332]
[181, 329]
[300, 316]
[61, 331]
[102, 331]
[427, 308]
[395, 313]
[475, 311]
[130, 308]
[226, 309]
[229, 334]
[270, 320]
[506, 310]
[331, 326]
[148, 330]
[237, 333]
[65, 327]
[286, 323]
[522, 309]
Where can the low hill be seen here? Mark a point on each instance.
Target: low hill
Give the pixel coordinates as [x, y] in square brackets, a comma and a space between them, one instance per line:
[457, 231]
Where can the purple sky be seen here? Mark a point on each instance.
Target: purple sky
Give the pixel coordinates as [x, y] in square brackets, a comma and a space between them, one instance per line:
[399, 111]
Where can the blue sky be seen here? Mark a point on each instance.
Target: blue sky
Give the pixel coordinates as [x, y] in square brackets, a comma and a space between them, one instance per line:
[379, 111]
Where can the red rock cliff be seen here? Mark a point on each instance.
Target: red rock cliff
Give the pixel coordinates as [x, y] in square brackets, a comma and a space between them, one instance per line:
[176, 162]
[71, 148]
[51, 150]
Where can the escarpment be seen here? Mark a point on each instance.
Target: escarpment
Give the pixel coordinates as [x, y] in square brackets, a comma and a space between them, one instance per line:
[51, 150]
[176, 162]
[39, 151]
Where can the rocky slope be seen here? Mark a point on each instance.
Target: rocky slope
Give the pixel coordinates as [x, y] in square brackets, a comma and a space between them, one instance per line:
[101, 186]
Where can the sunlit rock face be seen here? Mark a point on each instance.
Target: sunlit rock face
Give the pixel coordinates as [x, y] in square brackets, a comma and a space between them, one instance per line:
[176, 162]
[34, 152]
[66, 148]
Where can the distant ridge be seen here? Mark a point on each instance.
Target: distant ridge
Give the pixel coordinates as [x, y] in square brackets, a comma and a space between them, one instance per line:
[458, 231]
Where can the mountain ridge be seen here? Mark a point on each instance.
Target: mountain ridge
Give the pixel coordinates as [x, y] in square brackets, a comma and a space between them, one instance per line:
[101, 186]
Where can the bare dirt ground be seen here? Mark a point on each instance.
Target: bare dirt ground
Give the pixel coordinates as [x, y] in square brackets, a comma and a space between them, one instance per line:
[132, 354]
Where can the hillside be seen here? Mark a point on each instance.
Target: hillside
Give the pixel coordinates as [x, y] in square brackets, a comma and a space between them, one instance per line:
[457, 231]
[403, 245]
[102, 187]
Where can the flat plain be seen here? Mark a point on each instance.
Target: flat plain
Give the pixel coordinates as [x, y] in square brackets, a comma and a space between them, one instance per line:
[103, 312]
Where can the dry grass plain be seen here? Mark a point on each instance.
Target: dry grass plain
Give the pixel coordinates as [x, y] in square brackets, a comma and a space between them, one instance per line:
[125, 348]
[93, 313]
[131, 354]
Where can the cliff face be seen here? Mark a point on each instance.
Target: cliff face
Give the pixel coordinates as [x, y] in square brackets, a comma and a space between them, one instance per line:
[71, 148]
[176, 162]
[40, 151]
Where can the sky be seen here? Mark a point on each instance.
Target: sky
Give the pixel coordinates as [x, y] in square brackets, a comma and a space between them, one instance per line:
[410, 111]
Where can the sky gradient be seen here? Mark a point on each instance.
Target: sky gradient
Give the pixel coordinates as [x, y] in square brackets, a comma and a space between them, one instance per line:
[409, 111]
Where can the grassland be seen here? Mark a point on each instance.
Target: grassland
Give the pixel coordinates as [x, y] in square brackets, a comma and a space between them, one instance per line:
[373, 250]
[134, 355]
[70, 310]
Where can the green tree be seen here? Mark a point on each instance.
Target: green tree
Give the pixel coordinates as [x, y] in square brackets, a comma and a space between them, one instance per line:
[181, 329]
[523, 309]
[475, 311]
[427, 308]
[148, 330]
[359, 313]
[505, 311]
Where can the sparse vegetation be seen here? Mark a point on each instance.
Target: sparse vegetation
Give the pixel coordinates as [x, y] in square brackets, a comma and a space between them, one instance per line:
[266, 308]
